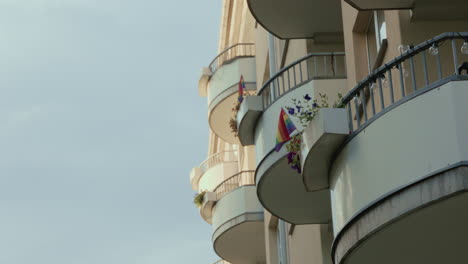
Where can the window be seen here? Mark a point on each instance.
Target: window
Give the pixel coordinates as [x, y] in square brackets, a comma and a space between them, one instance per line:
[376, 33]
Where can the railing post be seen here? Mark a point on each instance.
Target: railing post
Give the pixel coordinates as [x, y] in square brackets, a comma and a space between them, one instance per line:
[424, 61]
[390, 82]
[402, 80]
[413, 74]
[371, 95]
[350, 117]
[455, 56]
[382, 101]
[358, 117]
[364, 108]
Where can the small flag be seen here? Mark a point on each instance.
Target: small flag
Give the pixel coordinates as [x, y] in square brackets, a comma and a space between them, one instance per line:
[285, 128]
[241, 89]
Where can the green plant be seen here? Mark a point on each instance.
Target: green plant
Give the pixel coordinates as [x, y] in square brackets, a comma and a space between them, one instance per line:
[294, 158]
[235, 109]
[199, 198]
[233, 125]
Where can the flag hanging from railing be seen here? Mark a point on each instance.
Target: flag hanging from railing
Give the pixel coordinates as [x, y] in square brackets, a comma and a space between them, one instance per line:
[241, 89]
[285, 128]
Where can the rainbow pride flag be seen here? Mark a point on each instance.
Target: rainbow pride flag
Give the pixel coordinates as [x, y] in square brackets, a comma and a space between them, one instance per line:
[285, 128]
[241, 89]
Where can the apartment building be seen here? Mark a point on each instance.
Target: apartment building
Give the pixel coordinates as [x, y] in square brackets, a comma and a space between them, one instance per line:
[373, 168]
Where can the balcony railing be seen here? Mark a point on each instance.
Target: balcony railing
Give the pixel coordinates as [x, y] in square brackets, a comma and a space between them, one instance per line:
[242, 178]
[330, 65]
[233, 52]
[414, 72]
[217, 158]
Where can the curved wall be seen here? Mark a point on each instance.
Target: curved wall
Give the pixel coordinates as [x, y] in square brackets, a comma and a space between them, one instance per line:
[406, 144]
[266, 129]
[229, 74]
[217, 174]
[242, 200]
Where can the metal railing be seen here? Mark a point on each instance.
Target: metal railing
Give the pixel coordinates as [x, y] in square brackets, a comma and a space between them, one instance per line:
[232, 52]
[405, 76]
[217, 158]
[242, 178]
[328, 65]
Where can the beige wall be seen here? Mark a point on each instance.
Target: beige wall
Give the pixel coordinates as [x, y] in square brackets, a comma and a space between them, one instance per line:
[237, 24]
[306, 243]
[261, 56]
[310, 244]
[297, 48]
[271, 227]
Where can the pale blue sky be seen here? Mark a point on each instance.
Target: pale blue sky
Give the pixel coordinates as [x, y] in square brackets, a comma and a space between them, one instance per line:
[100, 124]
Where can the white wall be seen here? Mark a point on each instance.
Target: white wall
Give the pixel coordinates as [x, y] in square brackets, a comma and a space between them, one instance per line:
[229, 75]
[411, 141]
[267, 126]
[238, 202]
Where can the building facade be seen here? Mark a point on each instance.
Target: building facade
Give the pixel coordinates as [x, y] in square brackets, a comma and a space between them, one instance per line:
[373, 168]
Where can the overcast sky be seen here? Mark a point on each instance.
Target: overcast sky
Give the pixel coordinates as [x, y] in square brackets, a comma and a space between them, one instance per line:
[100, 125]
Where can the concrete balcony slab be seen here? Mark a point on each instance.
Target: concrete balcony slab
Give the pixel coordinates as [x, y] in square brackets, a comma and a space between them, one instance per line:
[320, 140]
[292, 19]
[249, 112]
[238, 228]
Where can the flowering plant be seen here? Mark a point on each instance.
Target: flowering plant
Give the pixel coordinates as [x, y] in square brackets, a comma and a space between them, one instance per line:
[305, 111]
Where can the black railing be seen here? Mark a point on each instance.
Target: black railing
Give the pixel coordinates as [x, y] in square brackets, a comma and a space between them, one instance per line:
[232, 52]
[329, 65]
[417, 67]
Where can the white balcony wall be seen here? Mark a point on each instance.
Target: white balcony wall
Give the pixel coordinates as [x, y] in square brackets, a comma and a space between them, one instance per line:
[238, 234]
[217, 174]
[222, 94]
[267, 126]
[241, 201]
[408, 143]
[229, 74]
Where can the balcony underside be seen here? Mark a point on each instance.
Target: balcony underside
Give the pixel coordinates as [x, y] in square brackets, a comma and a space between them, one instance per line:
[223, 94]
[320, 140]
[249, 112]
[281, 189]
[425, 223]
[220, 115]
[298, 18]
[422, 9]
[282, 192]
[238, 226]
[244, 242]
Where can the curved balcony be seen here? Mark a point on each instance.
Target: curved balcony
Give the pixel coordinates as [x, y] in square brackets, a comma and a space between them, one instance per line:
[279, 188]
[220, 83]
[421, 9]
[223, 163]
[399, 183]
[318, 19]
[210, 174]
[238, 229]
